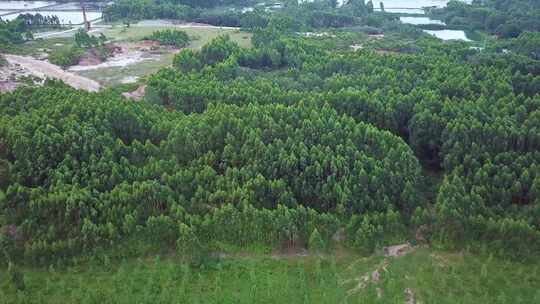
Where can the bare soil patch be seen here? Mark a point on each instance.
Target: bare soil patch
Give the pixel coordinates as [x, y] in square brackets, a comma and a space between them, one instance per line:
[397, 250]
[122, 54]
[12, 75]
[43, 69]
[136, 95]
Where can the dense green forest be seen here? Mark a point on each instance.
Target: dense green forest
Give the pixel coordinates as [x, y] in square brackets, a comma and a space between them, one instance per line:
[336, 139]
[297, 143]
[505, 18]
[477, 123]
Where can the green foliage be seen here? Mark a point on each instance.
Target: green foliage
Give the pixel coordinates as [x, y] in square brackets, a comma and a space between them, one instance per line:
[291, 18]
[18, 30]
[71, 55]
[161, 229]
[493, 168]
[254, 20]
[187, 243]
[270, 144]
[146, 9]
[435, 277]
[118, 165]
[16, 277]
[187, 60]
[67, 56]
[375, 230]
[218, 50]
[316, 243]
[528, 44]
[171, 37]
[85, 40]
[508, 19]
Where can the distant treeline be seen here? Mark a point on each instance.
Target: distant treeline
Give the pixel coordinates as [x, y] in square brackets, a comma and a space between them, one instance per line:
[19, 29]
[505, 18]
[318, 14]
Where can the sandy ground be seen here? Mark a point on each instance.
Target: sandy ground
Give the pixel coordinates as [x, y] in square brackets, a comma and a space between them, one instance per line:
[8, 76]
[138, 94]
[44, 69]
[125, 54]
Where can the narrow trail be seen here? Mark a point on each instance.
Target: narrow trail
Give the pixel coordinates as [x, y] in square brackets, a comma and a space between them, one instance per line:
[168, 23]
[373, 276]
[44, 69]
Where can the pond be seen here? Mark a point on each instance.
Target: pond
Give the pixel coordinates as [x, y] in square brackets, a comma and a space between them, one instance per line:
[66, 12]
[449, 34]
[409, 6]
[65, 17]
[419, 20]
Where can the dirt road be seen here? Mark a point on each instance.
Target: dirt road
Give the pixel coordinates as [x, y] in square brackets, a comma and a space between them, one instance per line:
[163, 22]
[44, 69]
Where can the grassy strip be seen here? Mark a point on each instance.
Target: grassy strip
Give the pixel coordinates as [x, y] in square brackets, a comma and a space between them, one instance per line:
[432, 276]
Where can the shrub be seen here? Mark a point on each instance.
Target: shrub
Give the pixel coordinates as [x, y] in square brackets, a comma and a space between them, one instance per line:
[316, 243]
[66, 57]
[187, 60]
[3, 61]
[171, 37]
[16, 277]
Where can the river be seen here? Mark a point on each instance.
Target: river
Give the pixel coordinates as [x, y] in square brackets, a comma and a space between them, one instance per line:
[68, 13]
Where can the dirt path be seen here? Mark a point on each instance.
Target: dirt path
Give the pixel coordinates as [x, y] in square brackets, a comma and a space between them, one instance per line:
[44, 69]
[70, 32]
[163, 22]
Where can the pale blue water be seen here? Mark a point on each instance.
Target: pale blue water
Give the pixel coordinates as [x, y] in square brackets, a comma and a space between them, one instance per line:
[448, 34]
[419, 20]
[65, 17]
[15, 5]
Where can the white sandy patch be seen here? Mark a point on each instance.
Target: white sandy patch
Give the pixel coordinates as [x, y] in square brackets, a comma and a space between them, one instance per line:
[45, 69]
[119, 60]
[129, 79]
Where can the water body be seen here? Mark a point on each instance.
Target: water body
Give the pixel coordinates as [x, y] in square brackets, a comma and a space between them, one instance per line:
[409, 6]
[16, 5]
[419, 20]
[441, 34]
[449, 34]
[65, 17]
[7, 10]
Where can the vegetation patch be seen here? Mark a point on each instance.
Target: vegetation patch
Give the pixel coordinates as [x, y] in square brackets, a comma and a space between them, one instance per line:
[175, 38]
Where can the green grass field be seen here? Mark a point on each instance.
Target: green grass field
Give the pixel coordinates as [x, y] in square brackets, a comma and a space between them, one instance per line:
[112, 76]
[431, 276]
[38, 46]
[201, 36]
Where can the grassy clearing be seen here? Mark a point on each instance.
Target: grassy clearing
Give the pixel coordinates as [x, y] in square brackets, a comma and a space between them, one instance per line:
[39, 46]
[202, 35]
[114, 75]
[433, 277]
